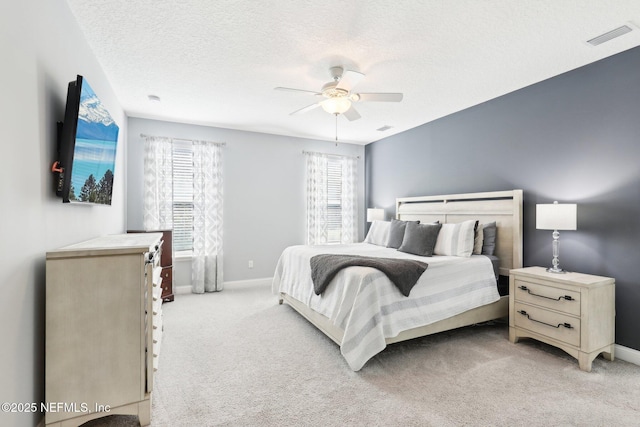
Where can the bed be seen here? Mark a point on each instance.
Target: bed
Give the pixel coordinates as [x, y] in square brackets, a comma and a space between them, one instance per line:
[363, 312]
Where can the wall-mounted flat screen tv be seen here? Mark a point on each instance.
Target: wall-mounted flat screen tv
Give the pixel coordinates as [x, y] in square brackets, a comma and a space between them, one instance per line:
[87, 141]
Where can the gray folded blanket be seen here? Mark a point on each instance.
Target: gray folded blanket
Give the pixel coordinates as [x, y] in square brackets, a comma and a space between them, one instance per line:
[404, 273]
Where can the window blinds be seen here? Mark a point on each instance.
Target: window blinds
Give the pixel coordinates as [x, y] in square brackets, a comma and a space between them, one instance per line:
[334, 200]
[182, 195]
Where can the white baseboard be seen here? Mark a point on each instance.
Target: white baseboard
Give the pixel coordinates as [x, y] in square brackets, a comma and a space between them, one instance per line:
[177, 290]
[627, 354]
[266, 281]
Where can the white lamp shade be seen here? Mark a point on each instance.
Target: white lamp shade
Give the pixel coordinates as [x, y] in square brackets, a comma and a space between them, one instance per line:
[557, 216]
[336, 105]
[375, 214]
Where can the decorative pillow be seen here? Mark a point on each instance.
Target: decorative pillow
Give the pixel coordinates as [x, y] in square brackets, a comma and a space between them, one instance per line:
[420, 239]
[478, 239]
[489, 243]
[456, 239]
[396, 233]
[378, 233]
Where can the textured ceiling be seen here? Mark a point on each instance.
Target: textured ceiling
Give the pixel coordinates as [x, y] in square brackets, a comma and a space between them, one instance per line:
[217, 62]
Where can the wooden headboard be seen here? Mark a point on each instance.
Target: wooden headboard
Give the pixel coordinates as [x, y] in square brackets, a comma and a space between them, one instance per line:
[503, 207]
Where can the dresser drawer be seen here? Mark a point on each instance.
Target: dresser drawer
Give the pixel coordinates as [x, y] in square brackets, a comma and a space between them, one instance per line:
[554, 298]
[554, 325]
[167, 282]
[156, 277]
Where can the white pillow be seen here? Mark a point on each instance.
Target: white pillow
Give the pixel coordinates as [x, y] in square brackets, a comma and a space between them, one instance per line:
[456, 239]
[378, 233]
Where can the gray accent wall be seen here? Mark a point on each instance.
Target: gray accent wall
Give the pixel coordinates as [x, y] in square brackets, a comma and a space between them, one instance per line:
[42, 49]
[573, 138]
[264, 191]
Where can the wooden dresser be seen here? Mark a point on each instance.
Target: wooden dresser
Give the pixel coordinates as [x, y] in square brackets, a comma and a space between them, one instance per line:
[166, 262]
[572, 311]
[103, 328]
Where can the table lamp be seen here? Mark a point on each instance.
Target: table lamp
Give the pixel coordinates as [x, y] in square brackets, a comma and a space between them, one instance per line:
[556, 217]
[375, 214]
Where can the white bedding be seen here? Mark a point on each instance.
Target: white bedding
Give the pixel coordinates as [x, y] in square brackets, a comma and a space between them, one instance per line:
[368, 307]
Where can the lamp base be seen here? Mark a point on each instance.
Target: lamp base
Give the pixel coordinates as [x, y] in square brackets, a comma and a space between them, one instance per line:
[556, 251]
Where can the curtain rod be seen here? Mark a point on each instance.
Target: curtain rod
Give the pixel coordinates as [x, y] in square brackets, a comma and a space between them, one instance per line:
[142, 135]
[328, 154]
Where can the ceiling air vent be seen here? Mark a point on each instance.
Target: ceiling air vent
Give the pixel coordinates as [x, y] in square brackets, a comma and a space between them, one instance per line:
[610, 35]
[383, 128]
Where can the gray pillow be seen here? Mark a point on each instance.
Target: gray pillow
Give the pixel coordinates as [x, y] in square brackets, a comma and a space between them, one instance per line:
[489, 234]
[420, 239]
[396, 233]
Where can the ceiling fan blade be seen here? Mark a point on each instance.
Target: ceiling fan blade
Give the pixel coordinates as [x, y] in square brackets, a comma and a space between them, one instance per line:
[379, 97]
[349, 80]
[352, 114]
[305, 109]
[289, 89]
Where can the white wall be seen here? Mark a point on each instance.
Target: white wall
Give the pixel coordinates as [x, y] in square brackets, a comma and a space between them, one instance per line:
[264, 200]
[42, 49]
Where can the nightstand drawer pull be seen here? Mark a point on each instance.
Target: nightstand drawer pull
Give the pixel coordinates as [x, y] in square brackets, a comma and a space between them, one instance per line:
[566, 297]
[566, 325]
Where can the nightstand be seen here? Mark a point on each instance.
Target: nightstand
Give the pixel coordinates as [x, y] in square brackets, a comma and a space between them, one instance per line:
[572, 311]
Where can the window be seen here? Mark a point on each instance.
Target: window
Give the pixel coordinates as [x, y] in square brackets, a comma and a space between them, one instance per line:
[331, 199]
[334, 200]
[183, 191]
[182, 196]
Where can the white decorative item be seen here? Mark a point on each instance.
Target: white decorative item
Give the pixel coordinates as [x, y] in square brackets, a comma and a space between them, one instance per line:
[375, 214]
[456, 239]
[378, 233]
[556, 217]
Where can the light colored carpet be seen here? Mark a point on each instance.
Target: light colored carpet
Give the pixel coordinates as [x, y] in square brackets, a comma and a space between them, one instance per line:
[237, 358]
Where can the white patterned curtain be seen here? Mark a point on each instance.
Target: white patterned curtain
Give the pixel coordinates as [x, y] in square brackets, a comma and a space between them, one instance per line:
[318, 198]
[206, 261]
[158, 184]
[349, 199]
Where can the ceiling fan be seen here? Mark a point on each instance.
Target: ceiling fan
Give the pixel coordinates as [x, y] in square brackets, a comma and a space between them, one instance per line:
[339, 95]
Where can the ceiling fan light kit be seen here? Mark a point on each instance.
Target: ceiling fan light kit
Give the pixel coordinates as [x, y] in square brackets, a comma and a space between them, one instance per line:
[339, 95]
[336, 105]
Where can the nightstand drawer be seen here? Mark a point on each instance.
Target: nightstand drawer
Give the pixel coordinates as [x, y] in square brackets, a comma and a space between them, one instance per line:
[551, 324]
[554, 298]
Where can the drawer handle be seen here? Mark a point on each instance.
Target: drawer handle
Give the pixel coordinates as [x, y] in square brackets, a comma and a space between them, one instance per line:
[566, 297]
[566, 325]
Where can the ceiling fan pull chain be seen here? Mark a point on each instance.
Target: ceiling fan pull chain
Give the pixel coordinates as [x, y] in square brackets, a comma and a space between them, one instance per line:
[336, 129]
